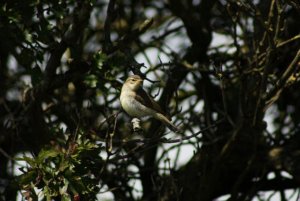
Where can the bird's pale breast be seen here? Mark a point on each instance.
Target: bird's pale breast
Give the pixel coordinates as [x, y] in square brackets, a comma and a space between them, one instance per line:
[132, 106]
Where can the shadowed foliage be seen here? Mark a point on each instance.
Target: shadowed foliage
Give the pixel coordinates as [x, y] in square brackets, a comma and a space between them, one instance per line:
[226, 71]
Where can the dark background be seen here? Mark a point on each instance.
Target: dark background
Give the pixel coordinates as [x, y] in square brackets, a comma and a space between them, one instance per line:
[62, 67]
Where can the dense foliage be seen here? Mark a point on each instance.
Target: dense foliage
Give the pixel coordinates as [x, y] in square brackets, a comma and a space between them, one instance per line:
[226, 71]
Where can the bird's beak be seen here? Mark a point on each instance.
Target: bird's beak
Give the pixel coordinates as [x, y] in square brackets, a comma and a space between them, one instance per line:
[140, 80]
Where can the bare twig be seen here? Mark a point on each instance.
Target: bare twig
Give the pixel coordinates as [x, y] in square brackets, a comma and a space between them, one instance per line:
[275, 93]
[107, 25]
[4, 153]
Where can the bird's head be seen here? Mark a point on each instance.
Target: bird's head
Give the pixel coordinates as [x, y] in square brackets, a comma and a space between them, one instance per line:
[134, 82]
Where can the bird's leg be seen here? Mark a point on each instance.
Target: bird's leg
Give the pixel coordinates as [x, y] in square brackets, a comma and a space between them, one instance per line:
[136, 125]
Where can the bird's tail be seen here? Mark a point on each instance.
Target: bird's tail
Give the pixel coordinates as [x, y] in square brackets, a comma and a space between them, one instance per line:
[166, 121]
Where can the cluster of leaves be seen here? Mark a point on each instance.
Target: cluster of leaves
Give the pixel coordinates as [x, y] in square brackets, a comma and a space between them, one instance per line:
[70, 54]
[69, 173]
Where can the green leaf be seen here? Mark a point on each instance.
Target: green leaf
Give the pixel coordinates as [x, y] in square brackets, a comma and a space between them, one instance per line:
[66, 197]
[45, 154]
[64, 164]
[30, 161]
[99, 59]
[91, 81]
[63, 190]
[28, 177]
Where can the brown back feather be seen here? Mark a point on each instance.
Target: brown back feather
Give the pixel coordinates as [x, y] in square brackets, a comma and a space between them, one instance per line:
[146, 100]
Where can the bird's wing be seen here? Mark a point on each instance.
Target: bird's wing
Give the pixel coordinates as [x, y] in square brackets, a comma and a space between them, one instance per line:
[146, 100]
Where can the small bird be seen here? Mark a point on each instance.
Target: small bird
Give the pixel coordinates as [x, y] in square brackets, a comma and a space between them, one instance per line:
[137, 103]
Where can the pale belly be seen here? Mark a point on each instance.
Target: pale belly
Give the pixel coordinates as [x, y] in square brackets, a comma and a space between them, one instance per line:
[133, 107]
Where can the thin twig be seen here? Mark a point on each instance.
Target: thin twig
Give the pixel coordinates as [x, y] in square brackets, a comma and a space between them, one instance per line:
[4, 153]
[107, 24]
